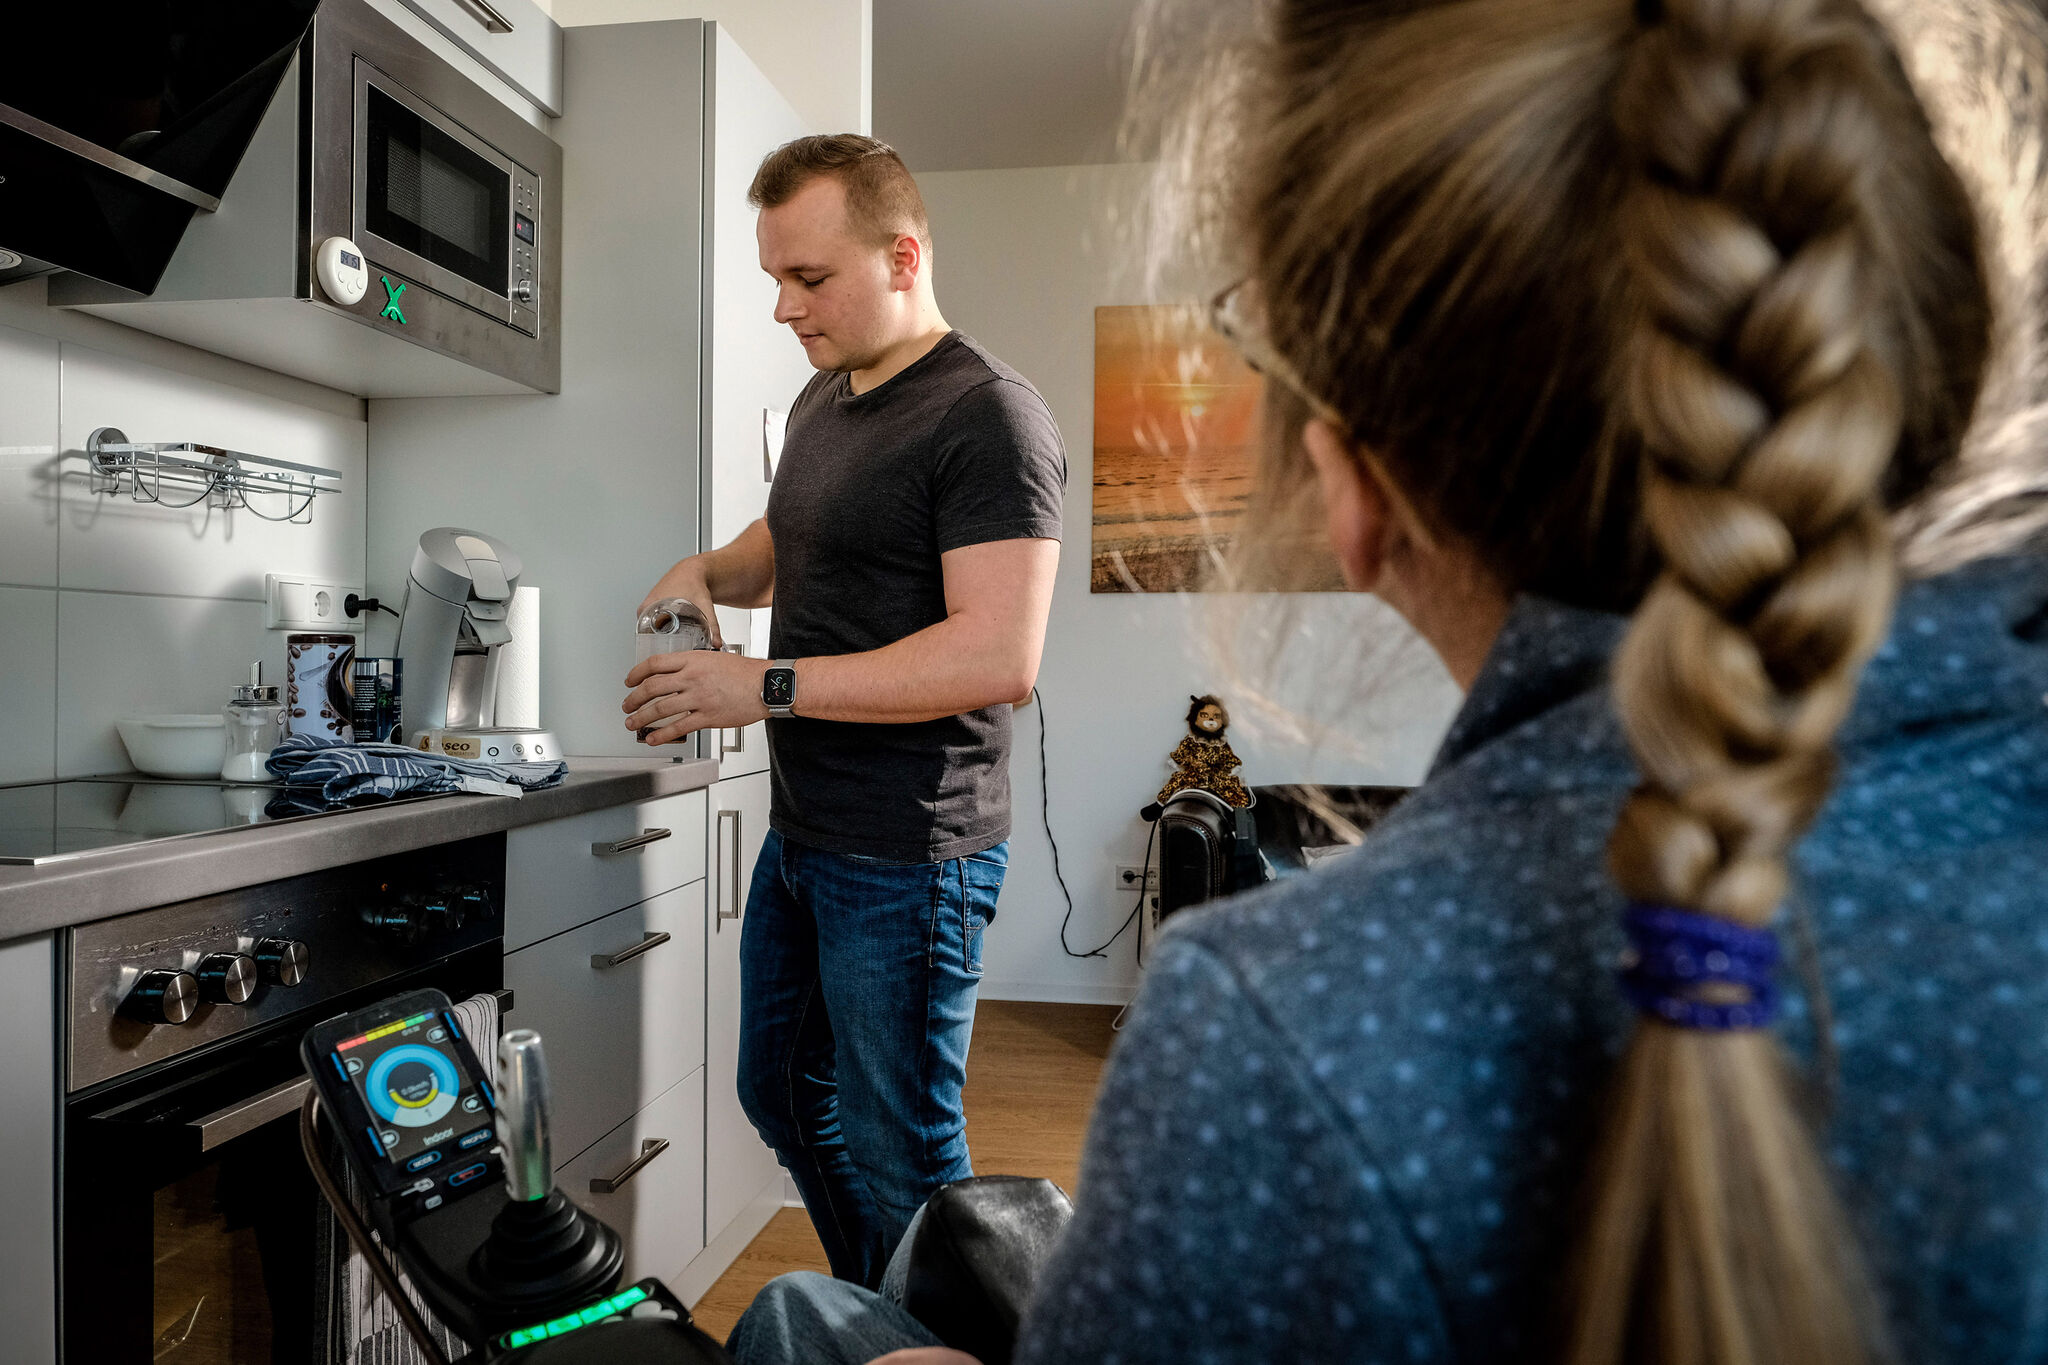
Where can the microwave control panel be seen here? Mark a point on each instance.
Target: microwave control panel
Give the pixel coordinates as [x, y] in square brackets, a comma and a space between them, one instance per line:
[526, 228]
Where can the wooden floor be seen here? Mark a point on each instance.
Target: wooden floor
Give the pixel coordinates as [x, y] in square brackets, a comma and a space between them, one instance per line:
[1031, 1078]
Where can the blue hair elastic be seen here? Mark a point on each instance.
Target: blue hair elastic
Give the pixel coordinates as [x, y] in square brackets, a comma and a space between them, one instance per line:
[1673, 952]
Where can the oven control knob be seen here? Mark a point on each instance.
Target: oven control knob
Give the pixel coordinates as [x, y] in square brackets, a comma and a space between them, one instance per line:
[163, 997]
[282, 961]
[398, 920]
[227, 978]
[475, 902]
[524, 292]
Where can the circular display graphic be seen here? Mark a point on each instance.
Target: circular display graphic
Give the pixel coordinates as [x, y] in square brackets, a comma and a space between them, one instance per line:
[411, 1086]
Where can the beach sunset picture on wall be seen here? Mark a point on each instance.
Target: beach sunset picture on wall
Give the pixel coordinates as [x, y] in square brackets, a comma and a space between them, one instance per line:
[1176, 422]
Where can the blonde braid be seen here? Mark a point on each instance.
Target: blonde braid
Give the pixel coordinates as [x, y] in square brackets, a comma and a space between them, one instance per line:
[1769, 409]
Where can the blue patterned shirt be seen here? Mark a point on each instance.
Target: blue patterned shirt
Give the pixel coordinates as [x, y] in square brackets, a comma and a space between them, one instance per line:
[1349, 1117]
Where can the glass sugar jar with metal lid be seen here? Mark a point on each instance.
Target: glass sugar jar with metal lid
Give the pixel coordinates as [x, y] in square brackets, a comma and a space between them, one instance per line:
[671, 625]
[255, 717]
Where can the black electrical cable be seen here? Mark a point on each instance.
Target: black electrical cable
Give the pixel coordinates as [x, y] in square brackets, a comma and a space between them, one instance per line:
[354, 606]
[1045, 814]
[359, 1236]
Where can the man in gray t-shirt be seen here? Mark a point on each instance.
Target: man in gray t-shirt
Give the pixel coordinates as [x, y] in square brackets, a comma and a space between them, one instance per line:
[909, 550]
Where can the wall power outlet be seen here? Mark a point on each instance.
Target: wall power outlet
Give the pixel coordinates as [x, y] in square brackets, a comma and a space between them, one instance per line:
[301, 602]
[1127, 878]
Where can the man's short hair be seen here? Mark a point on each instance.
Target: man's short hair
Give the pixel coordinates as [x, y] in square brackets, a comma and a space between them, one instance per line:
[882, 201]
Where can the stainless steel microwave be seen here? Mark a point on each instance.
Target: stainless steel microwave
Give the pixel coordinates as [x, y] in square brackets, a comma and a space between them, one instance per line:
[393, 230]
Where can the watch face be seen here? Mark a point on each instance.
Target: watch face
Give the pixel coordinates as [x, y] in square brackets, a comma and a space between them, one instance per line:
[778, 687]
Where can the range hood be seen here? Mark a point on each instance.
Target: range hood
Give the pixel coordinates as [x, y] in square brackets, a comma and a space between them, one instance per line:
[119, 121]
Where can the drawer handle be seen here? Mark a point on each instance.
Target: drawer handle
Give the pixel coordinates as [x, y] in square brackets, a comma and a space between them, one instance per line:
[632, 845]
[647, 944]
[738, 733]
[649, 1149]
[730, 873]
[492, 21]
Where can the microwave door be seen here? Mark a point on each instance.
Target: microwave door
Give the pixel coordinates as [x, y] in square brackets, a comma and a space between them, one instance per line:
[432, 202]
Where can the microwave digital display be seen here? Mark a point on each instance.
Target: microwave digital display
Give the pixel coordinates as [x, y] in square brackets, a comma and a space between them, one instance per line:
[433, 196]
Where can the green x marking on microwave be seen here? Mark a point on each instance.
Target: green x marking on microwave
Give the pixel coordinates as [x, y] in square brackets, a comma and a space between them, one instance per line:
[391, 293]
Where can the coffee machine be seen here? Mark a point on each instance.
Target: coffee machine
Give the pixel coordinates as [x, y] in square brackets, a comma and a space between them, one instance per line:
[453, 627]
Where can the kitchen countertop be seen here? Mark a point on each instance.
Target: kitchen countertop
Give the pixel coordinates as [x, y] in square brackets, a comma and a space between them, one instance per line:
[96, 886]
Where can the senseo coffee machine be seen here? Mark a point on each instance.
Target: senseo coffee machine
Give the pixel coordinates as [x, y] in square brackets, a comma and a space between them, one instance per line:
[453, 631]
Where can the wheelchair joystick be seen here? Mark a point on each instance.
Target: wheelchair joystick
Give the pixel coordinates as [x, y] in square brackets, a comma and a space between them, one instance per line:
[542, 1248]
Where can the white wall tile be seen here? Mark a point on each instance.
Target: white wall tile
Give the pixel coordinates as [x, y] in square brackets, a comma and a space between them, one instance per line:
[28, 458]
[124, 654]
[116, 544]
[28, 684]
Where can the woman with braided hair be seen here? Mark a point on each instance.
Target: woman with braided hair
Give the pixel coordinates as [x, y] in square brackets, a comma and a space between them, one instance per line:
[1644, 356]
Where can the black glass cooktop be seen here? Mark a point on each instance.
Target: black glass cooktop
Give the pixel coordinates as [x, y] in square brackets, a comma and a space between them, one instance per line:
[47, 821]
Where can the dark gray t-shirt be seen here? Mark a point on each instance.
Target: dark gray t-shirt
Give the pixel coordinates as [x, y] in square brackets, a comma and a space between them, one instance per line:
[872, 488]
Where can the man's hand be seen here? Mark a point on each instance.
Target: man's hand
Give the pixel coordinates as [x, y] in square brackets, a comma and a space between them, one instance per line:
[926, 1355]
[686, 580]
[675, 695]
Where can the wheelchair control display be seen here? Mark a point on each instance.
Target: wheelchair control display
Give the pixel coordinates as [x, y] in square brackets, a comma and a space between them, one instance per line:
[408, 1096]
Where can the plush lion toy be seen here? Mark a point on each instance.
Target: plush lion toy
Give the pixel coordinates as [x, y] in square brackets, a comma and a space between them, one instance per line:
[1203, 760]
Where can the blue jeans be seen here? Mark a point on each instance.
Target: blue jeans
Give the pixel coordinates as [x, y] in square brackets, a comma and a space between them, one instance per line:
[805, 1319]
[857, 984]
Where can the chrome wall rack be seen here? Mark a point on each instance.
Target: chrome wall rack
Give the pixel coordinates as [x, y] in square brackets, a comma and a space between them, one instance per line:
[220, 478]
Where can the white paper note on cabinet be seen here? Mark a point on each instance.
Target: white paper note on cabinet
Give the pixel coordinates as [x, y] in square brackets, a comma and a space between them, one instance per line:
[773, 425]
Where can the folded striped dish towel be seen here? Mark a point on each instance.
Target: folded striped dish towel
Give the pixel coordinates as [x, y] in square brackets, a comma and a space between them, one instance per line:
[329, 773]
[367, 1327]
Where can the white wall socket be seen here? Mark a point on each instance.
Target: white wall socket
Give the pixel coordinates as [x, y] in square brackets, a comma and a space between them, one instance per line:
[301, 603]
[1127, 878]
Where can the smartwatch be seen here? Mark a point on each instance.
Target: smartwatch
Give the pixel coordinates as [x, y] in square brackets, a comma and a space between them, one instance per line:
[778, 688]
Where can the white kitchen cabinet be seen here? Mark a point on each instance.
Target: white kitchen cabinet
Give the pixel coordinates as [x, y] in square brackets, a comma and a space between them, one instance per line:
[737, 1163]
[620, 1004]
[653, 1165]
[752, 363]
[514, 39]
[745, 749]
[753, 366]
[567, 872]
[28, 1148]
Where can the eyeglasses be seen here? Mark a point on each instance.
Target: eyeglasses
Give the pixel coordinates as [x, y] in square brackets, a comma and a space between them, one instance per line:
[1231, 315]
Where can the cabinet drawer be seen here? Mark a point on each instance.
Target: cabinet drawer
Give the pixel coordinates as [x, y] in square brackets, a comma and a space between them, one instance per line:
[555, 879]
[618, 1035]
[659, 1207]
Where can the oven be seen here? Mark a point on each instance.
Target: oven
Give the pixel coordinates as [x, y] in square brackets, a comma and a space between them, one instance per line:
[190, 1230]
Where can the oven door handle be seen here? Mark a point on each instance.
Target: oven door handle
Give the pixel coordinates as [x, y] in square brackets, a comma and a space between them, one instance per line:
[225, 1125]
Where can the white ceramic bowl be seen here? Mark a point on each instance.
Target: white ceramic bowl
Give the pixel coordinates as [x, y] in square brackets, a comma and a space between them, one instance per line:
[175, 746]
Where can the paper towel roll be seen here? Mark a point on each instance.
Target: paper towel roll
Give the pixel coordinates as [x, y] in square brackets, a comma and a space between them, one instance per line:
[519, 664]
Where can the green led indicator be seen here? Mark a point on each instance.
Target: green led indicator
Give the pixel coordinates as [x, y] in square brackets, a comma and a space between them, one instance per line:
[562, 1326]
[391, 293]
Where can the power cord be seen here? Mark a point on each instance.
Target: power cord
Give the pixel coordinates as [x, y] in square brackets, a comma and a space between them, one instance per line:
[1045, 814]
[355, 606]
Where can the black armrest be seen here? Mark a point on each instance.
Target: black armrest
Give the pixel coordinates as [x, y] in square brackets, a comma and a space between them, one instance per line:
[977, 1256]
